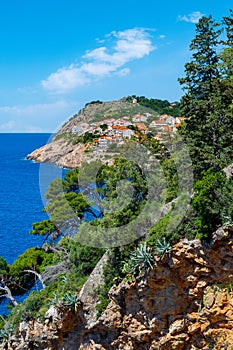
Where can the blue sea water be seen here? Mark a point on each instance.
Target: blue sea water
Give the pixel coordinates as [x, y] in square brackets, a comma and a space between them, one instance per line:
[20, 196]
[20, 199]
[23, 184]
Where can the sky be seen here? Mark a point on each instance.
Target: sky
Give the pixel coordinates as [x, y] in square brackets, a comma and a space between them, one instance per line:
[55, 56]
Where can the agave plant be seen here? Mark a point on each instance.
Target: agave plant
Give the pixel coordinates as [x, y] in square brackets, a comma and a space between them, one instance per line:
[70, 301]
[141, 258]
[128, 272]
[55, 299]
[227, 220]
[162, 247]
[64, 279]
[4, 335]
[6, 331]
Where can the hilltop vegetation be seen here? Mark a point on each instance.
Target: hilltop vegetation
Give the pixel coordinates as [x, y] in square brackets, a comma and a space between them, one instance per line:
[160, 106]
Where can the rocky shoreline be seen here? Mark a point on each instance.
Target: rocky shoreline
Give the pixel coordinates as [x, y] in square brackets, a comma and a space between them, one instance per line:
[61, 153]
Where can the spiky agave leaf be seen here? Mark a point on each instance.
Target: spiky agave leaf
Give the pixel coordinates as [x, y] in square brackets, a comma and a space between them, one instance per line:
[70, 301]
[142, 258]
[162, 247]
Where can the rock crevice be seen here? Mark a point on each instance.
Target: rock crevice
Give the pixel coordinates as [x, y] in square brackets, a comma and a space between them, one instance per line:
[184, 303]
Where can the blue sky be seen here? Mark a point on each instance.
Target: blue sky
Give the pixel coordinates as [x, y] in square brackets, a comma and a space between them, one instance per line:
[57, 55]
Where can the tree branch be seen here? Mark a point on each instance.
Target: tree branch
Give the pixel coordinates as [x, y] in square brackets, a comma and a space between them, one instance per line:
[9, 295]
[38, 276]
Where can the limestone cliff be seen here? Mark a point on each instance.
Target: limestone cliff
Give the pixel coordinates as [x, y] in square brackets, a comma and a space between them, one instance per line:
[185, 303]
[60, 152]
[64, 152]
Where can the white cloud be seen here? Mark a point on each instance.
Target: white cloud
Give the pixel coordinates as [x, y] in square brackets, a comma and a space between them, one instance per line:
[29, 118]
[192, 17]
[162, 36]
[123, 72]
[27, 110]
[64, 79]
[125, 46]
[8, 126]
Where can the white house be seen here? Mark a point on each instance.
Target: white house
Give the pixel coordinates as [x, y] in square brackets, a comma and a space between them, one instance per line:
[139, 118]
[81, 128]
[127, 133]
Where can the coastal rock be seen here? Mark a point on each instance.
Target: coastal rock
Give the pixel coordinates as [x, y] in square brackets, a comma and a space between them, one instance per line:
[184, 305]
[62, 153]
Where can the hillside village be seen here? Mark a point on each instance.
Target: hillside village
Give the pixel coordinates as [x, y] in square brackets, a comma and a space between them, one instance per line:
[99, 129]
[113, 130]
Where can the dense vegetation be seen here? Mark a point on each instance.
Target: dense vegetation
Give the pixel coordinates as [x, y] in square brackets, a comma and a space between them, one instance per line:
[123, 191]
[160, 106]
[207, 103]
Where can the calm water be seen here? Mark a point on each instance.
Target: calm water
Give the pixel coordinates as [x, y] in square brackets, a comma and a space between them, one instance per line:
[20, 200]
[21, 185]
[20, 197]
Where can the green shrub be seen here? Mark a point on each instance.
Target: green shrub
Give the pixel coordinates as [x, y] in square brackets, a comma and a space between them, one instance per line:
[159, 230]
[34, 259]
[213, 202]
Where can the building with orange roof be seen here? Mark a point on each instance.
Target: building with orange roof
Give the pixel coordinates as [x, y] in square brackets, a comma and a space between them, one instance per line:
[168, 118]
[141, 127]
[179, 119]
[81, 128]
[167, 129]
[139, 118]
[122, 130]
[109, 121]
[177, 123]
[119, 127]
[164, 116]
[157, 123]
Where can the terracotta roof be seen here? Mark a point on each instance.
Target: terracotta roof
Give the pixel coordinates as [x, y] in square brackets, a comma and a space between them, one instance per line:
[158, 121]
[140, 124]
[165, 116]
[167, 128]
[118, 127]
[105, 138]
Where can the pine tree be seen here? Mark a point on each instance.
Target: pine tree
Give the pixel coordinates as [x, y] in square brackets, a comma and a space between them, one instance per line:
[202, 73]
[205, 130]
[227, 60]
[228, 22]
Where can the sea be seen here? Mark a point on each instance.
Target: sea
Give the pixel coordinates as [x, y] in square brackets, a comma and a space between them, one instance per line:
[21, 201]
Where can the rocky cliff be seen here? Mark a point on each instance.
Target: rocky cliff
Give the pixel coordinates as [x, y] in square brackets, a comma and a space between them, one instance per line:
[185, 303]
[64, 152]
[60, 152]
